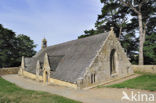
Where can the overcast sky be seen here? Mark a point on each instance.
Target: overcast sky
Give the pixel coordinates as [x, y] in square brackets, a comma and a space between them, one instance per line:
[58, 20]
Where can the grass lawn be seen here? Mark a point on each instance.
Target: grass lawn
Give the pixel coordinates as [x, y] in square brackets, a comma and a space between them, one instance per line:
[145, 82]
[10, 93]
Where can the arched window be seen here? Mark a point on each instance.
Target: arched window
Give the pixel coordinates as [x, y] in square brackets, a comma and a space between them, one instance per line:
[112, 62]
[92, 78]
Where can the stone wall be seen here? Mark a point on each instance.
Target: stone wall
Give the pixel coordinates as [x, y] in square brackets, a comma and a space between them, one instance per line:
[100, 67]
[144, 68]
[52, 80]
[11, 70]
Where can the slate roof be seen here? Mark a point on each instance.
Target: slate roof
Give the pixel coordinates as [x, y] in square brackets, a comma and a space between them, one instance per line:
[69, 60]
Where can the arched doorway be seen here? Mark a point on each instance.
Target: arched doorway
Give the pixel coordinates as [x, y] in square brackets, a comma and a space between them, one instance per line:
[46, 77]
[113, 61]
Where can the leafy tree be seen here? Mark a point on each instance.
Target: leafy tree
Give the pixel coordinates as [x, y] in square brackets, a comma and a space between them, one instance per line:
[12, 47]
[88, 33]
[128, 17]
[150, 49]
[115, 15]
[136, 6]
[143, 12]
[150, 42]
[25, 47]
[7, 47]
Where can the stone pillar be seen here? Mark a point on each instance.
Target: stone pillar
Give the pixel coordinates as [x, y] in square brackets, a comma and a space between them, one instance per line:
[46, 69]
[38, 70]
[22, 66]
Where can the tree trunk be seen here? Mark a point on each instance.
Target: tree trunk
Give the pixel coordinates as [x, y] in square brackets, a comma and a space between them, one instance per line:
[141, 38]
[120, 33]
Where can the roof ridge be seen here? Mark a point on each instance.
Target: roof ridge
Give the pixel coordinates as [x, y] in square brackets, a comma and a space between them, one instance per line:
[79, 39]
[40, 52]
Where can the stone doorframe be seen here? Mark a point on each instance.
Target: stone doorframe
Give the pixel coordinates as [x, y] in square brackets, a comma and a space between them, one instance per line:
[113, 62]
[46, 76]
[46, 69]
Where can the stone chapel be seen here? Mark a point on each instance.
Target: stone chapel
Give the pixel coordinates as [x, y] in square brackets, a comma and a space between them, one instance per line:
[81, 63]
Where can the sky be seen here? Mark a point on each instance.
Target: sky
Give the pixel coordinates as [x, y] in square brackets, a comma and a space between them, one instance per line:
[56, 20]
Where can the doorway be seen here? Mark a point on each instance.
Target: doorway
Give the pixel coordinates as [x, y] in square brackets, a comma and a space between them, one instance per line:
[46, 77]
[113, 62]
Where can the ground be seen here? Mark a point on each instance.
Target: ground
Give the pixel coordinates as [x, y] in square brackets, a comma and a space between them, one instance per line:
[96, 95]
[145, 82]
[10, 93]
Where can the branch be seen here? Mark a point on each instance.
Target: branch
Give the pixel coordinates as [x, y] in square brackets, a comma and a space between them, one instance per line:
[130, 6]
[140, 5]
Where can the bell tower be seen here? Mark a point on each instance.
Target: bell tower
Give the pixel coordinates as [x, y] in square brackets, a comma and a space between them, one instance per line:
[44, 43]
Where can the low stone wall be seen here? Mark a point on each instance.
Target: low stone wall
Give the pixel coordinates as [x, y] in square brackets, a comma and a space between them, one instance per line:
[11, 70]
[52, 80]
[144, 68]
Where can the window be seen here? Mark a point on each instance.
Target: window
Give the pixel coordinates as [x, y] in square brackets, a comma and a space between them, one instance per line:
[112, 62]
[92, 78]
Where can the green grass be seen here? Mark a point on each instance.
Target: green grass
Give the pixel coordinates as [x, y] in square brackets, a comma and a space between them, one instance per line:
[144, 82]
[10, 93]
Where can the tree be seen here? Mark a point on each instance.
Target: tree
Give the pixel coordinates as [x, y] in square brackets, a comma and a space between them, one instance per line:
[150, 49]
[13, 47]
[26, 46]
[7, 47]
[124, 16]
[88, 33]
[150, 42]
[115, 15]
[136, 6]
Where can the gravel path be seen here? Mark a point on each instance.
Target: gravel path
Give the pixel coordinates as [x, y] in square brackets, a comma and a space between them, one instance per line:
[96, 95]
